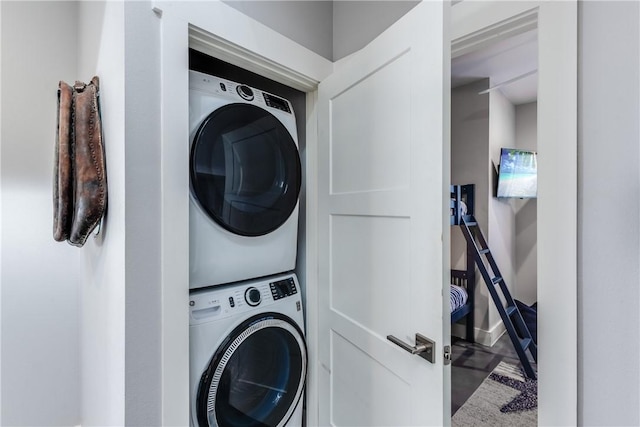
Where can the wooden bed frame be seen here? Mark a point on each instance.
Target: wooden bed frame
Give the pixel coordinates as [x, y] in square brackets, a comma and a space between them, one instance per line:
[461, 278]
[464, 278]
[466, 194]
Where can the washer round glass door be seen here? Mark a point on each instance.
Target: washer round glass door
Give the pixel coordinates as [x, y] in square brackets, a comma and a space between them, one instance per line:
[245, 169]
[256, 377]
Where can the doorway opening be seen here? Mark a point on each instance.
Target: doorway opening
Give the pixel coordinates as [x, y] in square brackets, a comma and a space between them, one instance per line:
[493, 106]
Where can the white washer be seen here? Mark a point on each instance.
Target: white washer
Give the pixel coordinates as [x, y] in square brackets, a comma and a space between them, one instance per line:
[248, 356]
[245, 177]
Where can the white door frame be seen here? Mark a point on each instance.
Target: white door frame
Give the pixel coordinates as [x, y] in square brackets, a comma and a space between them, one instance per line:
[475, 24]
[240, 40]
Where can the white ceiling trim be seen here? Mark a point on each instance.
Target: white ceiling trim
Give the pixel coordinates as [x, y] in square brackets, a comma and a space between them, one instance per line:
[217, 47]
[508, 82]
[511, 27]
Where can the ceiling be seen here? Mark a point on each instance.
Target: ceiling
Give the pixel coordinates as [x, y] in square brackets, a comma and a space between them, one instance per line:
[502, 62]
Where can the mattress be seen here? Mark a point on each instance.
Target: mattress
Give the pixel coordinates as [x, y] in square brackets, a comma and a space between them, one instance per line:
[459, 297]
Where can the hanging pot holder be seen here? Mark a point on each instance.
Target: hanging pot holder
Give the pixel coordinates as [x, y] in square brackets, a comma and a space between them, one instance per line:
[62, 174]
[80, 201]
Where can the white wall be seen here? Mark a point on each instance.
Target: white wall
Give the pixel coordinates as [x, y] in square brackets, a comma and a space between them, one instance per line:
[502, 221]
[101, 52]
[121, 347]
[143, 375]
[608, 213]
[526, 281]
[63, 323]
[39, 277]
[608, 220]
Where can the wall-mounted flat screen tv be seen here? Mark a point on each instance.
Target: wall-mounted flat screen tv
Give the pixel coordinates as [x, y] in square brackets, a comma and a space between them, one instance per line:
[518, 176]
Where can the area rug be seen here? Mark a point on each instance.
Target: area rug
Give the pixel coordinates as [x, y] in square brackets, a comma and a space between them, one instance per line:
[505, 398]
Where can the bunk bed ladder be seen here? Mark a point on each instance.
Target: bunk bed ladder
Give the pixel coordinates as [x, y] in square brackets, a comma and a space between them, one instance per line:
[508, 310]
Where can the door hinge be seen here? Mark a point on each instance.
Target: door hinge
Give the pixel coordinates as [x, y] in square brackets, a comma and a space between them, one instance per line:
[447, 354]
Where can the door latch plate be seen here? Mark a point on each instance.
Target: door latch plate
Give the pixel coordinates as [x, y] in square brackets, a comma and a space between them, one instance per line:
[447, 354]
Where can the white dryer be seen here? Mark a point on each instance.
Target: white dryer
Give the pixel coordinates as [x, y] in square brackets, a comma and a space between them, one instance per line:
[248, 356]
[245, 178]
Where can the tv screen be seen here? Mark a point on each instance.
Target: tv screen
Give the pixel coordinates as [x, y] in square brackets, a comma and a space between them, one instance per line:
[518, 176]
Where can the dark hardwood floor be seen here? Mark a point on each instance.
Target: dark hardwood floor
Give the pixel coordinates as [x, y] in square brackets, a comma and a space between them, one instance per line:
[472, 363]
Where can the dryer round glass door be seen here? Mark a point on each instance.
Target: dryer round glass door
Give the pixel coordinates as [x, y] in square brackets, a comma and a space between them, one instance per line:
[256, 377]
[245, 169]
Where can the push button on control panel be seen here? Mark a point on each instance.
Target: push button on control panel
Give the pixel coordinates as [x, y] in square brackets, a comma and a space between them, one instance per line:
[232, 303]
[245, 92]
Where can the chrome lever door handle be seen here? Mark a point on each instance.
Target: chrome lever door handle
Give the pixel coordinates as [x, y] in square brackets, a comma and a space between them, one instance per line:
[424, 347]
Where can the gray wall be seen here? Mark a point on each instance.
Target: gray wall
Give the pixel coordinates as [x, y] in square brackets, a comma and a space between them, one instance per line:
[326, 27]
[480, 126]
[309, 23]
[356, 23]
[469, 165]
[608, 213]
[501, 233]
[526, 283]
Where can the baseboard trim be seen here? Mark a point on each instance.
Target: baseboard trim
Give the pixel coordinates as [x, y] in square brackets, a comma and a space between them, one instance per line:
[483, 337]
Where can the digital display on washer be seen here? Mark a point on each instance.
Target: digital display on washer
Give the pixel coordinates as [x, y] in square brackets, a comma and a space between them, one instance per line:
[283, 288]
[275, 102]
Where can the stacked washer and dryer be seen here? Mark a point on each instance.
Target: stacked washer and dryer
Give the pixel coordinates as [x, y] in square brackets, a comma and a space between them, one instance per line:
[248, 357]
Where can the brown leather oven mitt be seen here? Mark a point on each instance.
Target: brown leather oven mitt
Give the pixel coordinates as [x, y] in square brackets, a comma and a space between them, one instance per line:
[86, 203]
[62, 174]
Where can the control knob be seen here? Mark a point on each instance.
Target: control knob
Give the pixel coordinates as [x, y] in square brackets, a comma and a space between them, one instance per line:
[252, 296]
[245, 92]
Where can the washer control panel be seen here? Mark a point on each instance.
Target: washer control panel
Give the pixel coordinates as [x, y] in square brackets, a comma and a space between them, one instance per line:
[283, 288]
[221, 302]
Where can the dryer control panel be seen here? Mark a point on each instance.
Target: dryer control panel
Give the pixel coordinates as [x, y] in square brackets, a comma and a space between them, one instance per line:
[240, 92]
[283, 288]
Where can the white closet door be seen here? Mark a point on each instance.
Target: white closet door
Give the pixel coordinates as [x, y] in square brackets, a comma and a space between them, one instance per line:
[382, 118]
